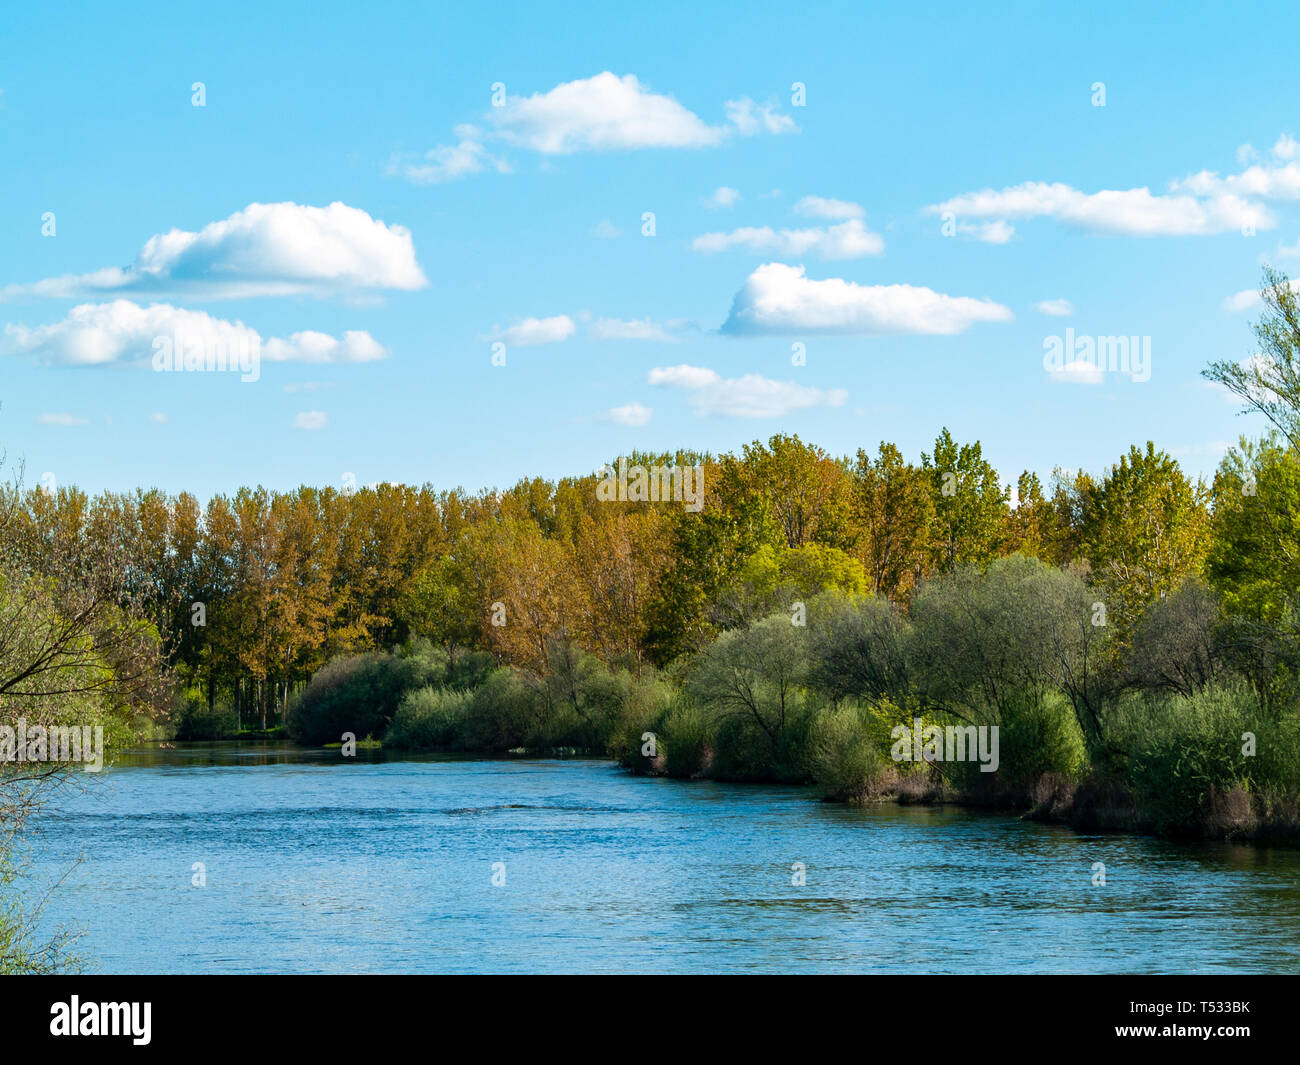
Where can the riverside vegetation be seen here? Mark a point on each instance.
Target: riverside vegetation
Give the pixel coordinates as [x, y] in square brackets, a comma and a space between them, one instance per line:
[1134, 635]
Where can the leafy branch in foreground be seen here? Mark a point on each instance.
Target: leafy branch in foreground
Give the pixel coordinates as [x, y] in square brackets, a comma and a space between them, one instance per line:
[1268, 382]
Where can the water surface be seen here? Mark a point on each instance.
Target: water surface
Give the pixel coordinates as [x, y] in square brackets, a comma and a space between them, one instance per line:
[320, 864]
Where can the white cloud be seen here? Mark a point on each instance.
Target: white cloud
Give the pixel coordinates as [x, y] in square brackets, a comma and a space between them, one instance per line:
[597, 114]
[448, 162]
[311, 419]
[750, 396]
[998, 232]
[750, 118]
[1077, 372]
[121, 331]
[777, 298]
[533, 331]
[606, 230]
[1056, 308]
[309, 346]
[264, 249]
[683, 376]
[821, 207]
[1287, 147]
[637, 329]
[848, 240]
[159, 418]
[1134, 212]
[723, 196]
[629, 414]
[1263, 180]
[602, 113]
[1248, 299]
[61, 419]
[1245, 300]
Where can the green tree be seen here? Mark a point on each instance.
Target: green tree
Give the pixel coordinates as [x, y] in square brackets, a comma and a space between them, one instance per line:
[1144, 530]
[970, 505]
[892, 516]
[1268, 382]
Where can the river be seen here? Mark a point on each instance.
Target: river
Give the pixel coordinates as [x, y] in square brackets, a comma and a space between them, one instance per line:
[314, 863]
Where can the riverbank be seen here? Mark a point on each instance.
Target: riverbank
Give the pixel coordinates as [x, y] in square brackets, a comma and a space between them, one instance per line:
[1086, 806]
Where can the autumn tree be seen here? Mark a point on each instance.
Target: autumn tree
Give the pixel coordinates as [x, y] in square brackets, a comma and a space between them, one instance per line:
[892, 514]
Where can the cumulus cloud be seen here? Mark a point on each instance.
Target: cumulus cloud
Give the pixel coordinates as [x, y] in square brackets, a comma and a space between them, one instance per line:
[311, 419]
[1278, 179]
[629, 414]
[355, 345]
[1265, 181]
[1286, 147]
[998, 232]
[750, 118]
[264, 249]
[1248, 299]
[602, 113]
[1077, 372]
[848, 240]
[61, 419]
[750, 396]
[636, 329]
[777, 298]
[835, 210]
[597, 114]
[1245, 300]
[124, 332]
[683, 376]
[1133, 212]
[448, 162]
[533, 331]
[723, 196]
[606, 230]
[1056, 308]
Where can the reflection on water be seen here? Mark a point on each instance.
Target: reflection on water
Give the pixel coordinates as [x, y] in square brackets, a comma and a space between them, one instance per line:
[315, 863]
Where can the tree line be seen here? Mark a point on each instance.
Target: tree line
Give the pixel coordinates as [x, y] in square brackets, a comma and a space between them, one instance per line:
[536, 609]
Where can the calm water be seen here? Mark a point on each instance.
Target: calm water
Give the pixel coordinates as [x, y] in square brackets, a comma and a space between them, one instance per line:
[317, 864]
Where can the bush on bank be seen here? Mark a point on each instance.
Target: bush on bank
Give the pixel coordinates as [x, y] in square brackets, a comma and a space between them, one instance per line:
[1153, 734]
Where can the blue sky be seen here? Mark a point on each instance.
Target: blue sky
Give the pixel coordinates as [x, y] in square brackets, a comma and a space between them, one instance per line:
[459, 222]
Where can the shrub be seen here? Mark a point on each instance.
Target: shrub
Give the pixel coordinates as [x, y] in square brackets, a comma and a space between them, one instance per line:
[358, 694]
[505, 712]
[642, 713]
[429, 719]
[844, 757]
[685, 740]
[1186, 750]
